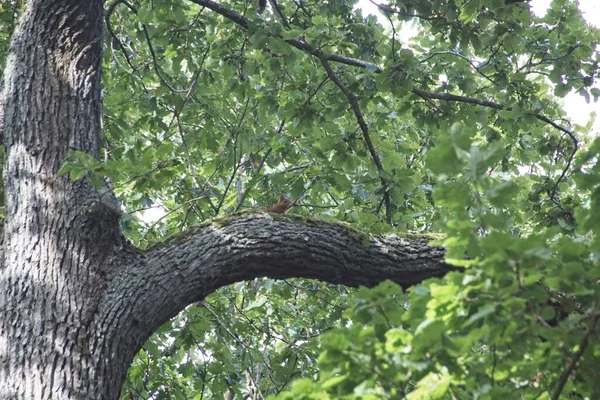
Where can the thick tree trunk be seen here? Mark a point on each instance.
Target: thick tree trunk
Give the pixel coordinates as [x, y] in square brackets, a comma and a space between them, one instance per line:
[58, 233]
[76, 302]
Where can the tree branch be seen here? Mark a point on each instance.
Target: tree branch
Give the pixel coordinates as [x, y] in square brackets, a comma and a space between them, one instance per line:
[564, 377]
[148, 41]
[491, 104]
[146, 290]
[365, 131]
[244, 194]
[466, 59]
[299, 44]
[109, 11]
[2, 105]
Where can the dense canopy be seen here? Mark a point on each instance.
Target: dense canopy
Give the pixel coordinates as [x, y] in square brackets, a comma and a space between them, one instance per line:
[438, 120]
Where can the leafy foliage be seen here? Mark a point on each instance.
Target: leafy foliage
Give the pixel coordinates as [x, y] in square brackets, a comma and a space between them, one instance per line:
[211, 108]
[206, 114]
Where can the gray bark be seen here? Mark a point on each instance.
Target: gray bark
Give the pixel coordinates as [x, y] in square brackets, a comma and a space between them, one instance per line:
[76, 301]
[57, 233]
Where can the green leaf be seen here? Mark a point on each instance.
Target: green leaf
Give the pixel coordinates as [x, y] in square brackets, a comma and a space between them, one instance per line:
[482, 313]
[442, 159]
[145, 14]
[503, 193]
[432, 386]
[453, 195]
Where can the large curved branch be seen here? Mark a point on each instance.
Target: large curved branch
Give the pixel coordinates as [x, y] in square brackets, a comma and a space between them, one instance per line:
[148, 289]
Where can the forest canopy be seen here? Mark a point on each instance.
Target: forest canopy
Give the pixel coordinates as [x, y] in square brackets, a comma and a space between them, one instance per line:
[456, 134]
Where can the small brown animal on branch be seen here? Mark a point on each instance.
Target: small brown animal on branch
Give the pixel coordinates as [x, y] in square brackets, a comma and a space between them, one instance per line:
[282, 205]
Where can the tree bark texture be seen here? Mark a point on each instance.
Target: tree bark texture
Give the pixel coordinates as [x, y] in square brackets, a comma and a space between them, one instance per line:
[76, 301]
[57, 234]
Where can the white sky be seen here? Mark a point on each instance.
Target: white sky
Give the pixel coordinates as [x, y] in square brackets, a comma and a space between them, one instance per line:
[574, 105]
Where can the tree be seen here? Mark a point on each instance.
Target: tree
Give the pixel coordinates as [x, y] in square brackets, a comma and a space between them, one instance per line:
[212, 107]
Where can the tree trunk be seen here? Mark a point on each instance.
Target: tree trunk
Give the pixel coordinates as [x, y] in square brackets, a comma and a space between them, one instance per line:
[76, 301]
[57, 234]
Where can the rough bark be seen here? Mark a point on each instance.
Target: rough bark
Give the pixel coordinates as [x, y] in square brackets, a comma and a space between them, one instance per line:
[76, 301]
[146, 291]
[57, 234]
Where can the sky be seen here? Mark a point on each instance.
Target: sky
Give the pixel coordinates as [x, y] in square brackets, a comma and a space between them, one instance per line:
[574, 105]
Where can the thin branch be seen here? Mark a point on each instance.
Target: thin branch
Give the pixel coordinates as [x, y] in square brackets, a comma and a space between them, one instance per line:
[190, 201]
[113, 34]
[314, 93]
[155, 63]
[353, 100]
[452, 53]
[151, 48]
[431, 103]
[260, 165]
[387, 12]
[461, 99]
[493, 364]
[2, 110]
[562, 381]
[386, 9]
[491, 104]
[296, 168]
[180, 129]
[237, 163]
[247, 190]
[299, 44]
[571, 156]
[278, 11]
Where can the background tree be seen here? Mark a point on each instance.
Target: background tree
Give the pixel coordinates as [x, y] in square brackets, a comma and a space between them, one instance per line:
[210, 108]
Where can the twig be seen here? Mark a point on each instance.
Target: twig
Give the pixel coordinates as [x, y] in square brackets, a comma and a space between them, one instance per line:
[461, 99]
[2, 109]
[260, 165]
[491, 104]
[352, 99]
[571, 156]
[385, 9]
[493, 364]
[180, 129]
[299, 44]
[169, 213]
[152, 53]
[247, 190]
[239, 163]
[452, 53]
[113, 34]
[155, 63]
[277, 10]
[562, 381]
